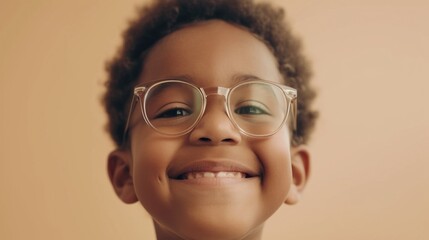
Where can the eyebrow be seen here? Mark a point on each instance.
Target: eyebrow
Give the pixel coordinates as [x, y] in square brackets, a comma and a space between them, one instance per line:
[237, 78]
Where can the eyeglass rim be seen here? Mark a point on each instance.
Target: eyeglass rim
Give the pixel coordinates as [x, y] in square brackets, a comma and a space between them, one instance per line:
[290, 96]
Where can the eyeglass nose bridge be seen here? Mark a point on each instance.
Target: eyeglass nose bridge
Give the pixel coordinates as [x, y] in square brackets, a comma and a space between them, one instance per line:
[216, 91]
[212, 91]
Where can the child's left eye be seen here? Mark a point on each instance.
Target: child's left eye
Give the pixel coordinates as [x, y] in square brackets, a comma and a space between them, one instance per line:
[250, 110]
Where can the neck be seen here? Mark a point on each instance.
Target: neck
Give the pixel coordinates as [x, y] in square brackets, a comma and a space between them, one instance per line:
[163, 233]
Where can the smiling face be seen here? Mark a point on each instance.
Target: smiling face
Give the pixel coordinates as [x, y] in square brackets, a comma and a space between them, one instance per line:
[213, 182]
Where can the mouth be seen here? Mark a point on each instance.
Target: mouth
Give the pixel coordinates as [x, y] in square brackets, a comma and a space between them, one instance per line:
[200, 175]
[201, 170]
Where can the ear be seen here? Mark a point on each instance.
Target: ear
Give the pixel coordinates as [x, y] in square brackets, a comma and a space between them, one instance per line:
[300, 172]
[118, 168]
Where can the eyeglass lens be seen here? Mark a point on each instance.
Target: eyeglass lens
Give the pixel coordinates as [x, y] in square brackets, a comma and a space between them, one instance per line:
[175, 107]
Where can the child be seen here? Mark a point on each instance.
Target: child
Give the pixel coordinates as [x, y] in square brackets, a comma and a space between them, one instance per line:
[208, 104]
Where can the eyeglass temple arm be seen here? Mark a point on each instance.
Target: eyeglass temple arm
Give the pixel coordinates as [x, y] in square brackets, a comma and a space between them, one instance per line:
[292, 94]
[133, 103]
[294, 104]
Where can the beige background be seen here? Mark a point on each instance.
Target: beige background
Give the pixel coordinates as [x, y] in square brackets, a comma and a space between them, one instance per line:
[371, 154]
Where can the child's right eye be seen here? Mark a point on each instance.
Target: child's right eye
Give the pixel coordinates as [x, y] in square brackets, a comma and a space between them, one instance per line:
[173, 113]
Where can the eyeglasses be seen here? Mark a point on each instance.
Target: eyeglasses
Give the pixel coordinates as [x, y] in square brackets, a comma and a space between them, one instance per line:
[257, 108]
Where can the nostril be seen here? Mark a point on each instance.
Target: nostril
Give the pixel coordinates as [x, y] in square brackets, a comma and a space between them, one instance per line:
[208, 140]
[205, 139]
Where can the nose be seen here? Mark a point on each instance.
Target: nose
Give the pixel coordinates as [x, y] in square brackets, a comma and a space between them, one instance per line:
[215, 127]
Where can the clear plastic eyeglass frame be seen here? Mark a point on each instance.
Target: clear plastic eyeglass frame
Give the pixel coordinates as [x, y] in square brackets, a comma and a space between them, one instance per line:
[140, 92]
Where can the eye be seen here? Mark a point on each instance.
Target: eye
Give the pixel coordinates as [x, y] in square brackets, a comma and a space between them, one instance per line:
[250, 110]
[174, 113]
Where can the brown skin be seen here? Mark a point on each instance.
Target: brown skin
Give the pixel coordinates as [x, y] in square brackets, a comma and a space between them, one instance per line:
[211, 53]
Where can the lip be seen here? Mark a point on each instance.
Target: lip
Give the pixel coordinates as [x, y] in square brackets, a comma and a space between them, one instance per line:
[212, 166]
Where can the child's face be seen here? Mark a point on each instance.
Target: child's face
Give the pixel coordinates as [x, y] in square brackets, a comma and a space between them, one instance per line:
[211, 53]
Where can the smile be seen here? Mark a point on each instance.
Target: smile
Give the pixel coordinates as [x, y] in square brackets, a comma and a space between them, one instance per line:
[213, 170]
[199, 175]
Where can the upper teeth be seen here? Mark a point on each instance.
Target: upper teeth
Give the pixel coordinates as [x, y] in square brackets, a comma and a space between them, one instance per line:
[196, 175]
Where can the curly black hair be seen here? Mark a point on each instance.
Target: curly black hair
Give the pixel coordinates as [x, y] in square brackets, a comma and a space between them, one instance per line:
[163, 17]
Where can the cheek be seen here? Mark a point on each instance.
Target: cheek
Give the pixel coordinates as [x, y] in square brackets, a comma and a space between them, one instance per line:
[274, 155]
[152, 155]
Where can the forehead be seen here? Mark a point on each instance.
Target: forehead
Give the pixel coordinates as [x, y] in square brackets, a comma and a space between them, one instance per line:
[210, 53]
